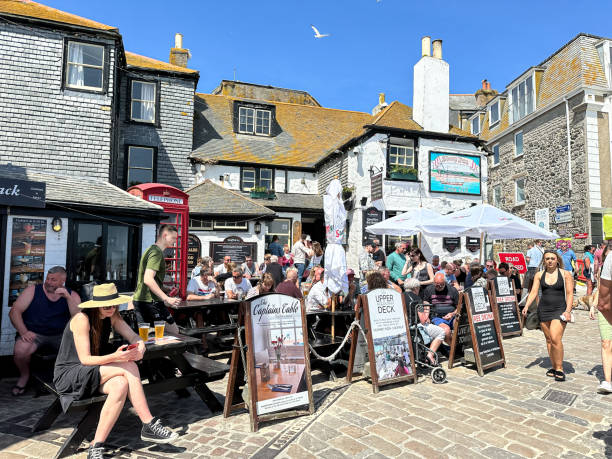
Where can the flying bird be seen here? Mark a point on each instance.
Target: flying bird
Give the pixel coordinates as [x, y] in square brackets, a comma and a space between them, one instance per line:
[317, 33]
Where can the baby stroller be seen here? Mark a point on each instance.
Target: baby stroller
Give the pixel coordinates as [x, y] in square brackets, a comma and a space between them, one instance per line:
[420, 340]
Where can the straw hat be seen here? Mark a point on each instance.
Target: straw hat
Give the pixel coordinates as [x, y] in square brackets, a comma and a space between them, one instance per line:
[105, 295]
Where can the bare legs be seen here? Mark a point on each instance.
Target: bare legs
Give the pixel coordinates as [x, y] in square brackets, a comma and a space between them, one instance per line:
[606, 358]
[22, 354]
[119, 380]
[553, 331]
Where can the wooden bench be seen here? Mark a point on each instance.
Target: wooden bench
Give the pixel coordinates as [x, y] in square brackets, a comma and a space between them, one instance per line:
[198, 331]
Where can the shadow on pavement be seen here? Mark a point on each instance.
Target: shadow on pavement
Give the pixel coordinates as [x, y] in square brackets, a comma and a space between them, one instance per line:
[544, 362]
[606, 437]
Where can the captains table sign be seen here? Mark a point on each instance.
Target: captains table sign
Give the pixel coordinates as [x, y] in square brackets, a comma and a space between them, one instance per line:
[22, 193]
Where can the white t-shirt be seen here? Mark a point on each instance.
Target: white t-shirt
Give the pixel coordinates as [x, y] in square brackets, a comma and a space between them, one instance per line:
[221, 269]
[245, 285]
[317, 297]
[197, 287]
[606, 270]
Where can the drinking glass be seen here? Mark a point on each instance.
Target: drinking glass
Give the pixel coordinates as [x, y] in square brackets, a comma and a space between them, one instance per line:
[143, 331]
[159, 329]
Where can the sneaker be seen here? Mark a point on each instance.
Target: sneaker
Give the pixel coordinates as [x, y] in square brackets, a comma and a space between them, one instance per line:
[605, 388]
[155, 432]
[96, 451]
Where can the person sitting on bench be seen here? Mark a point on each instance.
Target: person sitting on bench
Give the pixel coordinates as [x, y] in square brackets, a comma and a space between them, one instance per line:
[40, 315]
[83, 369]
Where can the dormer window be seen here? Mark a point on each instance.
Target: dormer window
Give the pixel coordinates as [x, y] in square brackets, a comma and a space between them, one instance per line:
[494, 113]
[522, 99]
[254, 121]
[475, 125]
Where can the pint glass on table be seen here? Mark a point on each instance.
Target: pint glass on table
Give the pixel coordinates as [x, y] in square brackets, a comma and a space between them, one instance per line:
[159, 329]
[143, 331]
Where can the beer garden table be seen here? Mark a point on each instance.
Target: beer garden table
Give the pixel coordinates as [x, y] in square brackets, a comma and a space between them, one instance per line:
[220, 304]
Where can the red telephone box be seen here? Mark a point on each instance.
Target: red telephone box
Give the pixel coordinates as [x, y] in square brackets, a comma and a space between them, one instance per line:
[176, 206]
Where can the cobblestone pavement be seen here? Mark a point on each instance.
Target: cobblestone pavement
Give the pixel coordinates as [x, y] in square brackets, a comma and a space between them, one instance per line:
[501, 415]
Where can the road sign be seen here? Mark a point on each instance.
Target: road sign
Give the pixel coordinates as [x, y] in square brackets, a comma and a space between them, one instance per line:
[563, 214]
[516, 258]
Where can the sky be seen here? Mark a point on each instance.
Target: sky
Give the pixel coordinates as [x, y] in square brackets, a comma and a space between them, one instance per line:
[373, 44]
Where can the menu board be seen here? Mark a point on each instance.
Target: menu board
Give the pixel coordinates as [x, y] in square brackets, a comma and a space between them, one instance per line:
[194, 249]
[482, 319]
[233, 246]
[510, 320]
[371, 216]
[462, 334]
[27, 255]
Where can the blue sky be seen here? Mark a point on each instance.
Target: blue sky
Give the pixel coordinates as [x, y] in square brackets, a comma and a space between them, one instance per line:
[372, 48]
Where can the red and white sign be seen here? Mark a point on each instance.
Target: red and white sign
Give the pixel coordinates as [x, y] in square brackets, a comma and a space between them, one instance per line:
[581, 235]
[484, 317]
[516, 258]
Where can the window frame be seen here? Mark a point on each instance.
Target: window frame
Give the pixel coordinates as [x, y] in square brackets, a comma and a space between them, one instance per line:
[497, 202]
[498, 105]
[516, 188]
[415, 158]
[517, 155]
[471, 120]
[127, 163]
[511, 99]
[209, 227]
[270, 234]
[257, 171]
[494, 164]
[256, 112]
[157, 83]
[210, 224]
[105, 67]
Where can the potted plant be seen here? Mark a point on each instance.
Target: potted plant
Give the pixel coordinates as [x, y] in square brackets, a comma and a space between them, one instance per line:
[260, 192]
[404, 173]
[347, 192]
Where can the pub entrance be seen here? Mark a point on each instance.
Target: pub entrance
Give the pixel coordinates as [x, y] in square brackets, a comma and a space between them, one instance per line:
[315, 227]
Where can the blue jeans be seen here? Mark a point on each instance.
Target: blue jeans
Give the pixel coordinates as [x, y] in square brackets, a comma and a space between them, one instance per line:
[300, 267]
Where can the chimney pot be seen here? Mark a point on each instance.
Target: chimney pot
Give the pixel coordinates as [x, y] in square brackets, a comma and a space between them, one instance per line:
[437, 49]
[178, 40]
[178, 55]
[381, 98]
[484, 84]
[426, 46]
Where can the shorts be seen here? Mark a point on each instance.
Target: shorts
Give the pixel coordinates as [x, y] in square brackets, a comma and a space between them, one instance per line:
[605, 329]
[47, 343]
[150, 312]
[440, 320]
[435, 332]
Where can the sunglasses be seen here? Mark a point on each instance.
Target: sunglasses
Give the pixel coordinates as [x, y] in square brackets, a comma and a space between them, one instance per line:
[108, 308]
[236, 277]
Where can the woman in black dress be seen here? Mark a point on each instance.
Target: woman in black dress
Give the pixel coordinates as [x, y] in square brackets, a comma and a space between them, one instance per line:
[418, 268]
[557, 287]
[85, 368]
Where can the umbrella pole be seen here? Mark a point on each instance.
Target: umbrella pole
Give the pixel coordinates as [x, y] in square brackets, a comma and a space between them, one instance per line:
[333, 321]
[482, 245]
[420, 236]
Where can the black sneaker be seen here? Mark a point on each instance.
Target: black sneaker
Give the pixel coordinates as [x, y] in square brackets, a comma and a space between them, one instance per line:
[155, 432]
[96, 451]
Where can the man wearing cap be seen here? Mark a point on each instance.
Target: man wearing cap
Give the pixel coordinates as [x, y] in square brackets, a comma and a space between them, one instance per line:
[86, 366]
[366, 262]
[378, 254]
[40, 315]
[301, 252]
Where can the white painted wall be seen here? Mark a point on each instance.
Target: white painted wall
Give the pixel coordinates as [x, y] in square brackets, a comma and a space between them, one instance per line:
[431, 94]
[206, 237]
[148, 237]
[309, 185]
[592, 141]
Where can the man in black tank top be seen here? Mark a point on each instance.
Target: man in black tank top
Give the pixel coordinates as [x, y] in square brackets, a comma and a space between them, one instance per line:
[40, 315]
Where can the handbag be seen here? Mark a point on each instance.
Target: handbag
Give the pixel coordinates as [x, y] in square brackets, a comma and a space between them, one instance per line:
[532, 321]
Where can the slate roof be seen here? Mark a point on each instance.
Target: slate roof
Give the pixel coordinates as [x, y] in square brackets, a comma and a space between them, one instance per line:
[28, 8]
[462, 102]
[211, 199]
[284, 201]
[307, 133]
[143, 62]
[576, 64]
[80, 190]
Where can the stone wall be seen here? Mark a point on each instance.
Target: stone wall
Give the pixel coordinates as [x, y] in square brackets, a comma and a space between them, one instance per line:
[544, 165]
[44, 126]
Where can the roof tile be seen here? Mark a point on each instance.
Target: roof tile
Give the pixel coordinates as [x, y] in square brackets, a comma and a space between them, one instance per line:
[136, 60]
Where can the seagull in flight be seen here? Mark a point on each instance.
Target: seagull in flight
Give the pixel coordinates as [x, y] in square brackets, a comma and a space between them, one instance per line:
[317, 33]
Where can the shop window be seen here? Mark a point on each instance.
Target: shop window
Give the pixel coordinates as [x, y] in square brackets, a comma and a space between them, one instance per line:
[141, 165]
[85, 66]
[143, 102]
[255, 177]
[280, 227]
[254, 121]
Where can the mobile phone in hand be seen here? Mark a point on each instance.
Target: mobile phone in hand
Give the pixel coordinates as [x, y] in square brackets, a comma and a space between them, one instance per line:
[130, 347]
[173, 292]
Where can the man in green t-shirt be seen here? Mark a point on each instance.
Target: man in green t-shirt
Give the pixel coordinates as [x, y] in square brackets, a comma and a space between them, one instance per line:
[150, 299]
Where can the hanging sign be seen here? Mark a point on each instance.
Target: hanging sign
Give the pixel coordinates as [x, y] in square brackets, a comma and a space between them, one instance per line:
[22, 193]
[388, 338]
[450, 244]
[376, 187]
[371, 216]
[472, 244]
[506, 306]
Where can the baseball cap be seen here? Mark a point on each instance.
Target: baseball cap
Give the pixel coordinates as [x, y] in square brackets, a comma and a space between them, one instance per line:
[308, 238]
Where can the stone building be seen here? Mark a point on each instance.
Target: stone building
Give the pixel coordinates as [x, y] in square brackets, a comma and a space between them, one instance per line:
[549, 134]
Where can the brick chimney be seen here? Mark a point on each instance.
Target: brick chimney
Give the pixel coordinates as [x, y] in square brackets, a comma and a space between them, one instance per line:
[178, 55]
[381, 104]
[484, 94]
[431, 88]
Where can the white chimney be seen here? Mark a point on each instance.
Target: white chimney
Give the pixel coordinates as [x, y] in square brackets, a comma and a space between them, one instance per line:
[178, 40]
[431, 89]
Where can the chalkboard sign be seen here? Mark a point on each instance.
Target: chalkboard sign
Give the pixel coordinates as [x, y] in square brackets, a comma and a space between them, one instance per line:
[235, 247]
[484, 329]
[194, 249]
[371, 216]
[462, 334]
[506, 306]
[451, 244]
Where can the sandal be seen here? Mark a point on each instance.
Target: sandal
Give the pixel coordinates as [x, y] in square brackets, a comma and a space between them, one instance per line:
[559, 376]
[551, 373]
[17, 390]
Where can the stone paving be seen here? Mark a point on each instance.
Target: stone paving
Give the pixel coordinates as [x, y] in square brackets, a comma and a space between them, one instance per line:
[501, 415]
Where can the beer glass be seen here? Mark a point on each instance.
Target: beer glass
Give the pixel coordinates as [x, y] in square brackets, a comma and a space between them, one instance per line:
[143, 331]
[159, 329]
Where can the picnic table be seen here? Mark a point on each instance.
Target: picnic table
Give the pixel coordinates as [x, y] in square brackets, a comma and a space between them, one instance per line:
[196, 371]
[190, 307]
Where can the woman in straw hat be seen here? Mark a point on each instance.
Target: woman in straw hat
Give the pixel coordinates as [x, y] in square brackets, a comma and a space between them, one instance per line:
[84, 367]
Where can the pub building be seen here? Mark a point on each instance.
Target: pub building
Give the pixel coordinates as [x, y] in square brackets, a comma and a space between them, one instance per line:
[92, 228]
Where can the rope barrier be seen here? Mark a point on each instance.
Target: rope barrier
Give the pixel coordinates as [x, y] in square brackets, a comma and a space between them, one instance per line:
[332, 357]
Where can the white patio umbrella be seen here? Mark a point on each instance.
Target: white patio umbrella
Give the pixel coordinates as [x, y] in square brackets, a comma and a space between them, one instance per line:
[406, 224]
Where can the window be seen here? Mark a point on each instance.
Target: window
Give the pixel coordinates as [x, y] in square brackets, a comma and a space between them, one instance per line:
[497, 196]
[143, 101]
[475, 125]
[200, 224]
[280, 227]
[203, 224]
[494, 113]
[519, 187]
[257, 177]
[496, 154]
[522, 99]
[223, 224]
[518, 144]
[401, 156]
[141, 165]
[85, 66]
[254, 121]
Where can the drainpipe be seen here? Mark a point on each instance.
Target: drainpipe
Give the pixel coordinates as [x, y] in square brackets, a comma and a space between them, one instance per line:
[569, 145]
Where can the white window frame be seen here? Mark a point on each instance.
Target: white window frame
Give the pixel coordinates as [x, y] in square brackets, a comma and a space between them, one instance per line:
[202, 225]
[254, 181]
[256, 113]
[230, 225]
[152, 169]
[132, 100]
[512, 102]
[404, 151]
[516, 153]
[257, 178]
[516, 188]
[491, 122]
[68, 64]
[280, 235]
[497, 190]
[493, 156]
[475, 118]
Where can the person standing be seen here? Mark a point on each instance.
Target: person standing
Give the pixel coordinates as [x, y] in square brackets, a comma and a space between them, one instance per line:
[366, 262]
[605, 332]
[300, 253]
[589, 267]
[598, 257]
[605, 287]
[419, 269]
[396, 262]
[150, 297]
[275, 270]
[378, 254]
[275, 248]
[568, 256]
[554, 307]
[534, 260]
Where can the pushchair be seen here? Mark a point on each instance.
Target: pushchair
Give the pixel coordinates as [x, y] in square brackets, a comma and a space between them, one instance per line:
[420, 340]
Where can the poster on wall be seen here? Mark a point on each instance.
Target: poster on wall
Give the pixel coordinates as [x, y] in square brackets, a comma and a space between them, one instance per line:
[454, 173]
[194, 251]
[28, 245]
